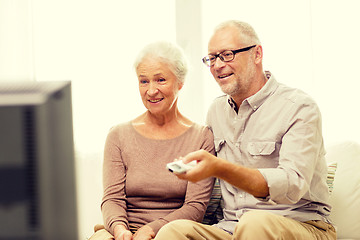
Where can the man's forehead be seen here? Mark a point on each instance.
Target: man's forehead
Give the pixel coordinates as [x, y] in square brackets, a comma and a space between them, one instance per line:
[224, 39]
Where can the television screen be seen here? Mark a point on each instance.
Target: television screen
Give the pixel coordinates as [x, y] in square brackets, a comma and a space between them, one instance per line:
[37, 167]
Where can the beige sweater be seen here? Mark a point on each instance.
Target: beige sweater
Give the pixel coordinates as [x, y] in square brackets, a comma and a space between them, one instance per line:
[138, 189]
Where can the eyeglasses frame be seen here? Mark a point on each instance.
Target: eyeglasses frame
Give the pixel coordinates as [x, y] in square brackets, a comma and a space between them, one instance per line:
[222, 59]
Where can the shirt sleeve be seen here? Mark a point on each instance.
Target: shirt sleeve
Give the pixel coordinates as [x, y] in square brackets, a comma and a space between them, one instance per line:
[301, 148]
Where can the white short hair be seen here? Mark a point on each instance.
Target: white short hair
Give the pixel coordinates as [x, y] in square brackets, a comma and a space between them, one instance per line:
[246, 31]
[169, 53]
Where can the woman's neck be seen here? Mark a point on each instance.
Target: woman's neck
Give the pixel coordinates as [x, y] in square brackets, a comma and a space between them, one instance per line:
[161, 126]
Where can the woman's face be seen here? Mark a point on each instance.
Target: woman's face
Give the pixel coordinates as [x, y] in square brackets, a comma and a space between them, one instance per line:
[158, 86]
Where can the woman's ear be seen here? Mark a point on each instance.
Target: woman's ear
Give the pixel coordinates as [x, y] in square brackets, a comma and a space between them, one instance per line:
[180, 85]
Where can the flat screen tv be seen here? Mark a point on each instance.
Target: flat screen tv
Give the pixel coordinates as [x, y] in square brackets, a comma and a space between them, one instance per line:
[37, 167]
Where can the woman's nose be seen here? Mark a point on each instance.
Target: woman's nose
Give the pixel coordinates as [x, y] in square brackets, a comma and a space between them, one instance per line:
[153, 89]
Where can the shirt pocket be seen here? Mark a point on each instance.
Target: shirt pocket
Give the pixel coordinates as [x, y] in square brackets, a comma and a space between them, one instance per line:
[261, 148]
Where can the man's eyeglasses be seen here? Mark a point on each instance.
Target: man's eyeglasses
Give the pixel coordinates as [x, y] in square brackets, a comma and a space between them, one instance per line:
[225, 56]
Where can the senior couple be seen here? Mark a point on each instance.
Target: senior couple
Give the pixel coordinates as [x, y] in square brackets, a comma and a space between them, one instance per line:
[263, 141]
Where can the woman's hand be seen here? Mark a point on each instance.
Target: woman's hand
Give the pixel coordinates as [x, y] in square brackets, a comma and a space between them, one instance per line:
[144, 233]
[122, 233]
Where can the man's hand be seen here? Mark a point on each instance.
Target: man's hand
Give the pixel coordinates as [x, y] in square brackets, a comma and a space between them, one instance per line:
[144, 233]
[122, 233]
[206, 166]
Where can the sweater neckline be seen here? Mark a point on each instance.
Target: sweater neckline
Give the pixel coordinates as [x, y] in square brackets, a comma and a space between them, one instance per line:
[165, 139]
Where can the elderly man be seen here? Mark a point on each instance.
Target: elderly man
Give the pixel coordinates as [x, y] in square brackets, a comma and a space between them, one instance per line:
[270, 152]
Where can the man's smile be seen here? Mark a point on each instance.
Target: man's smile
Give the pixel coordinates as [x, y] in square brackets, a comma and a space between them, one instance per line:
[222, 76]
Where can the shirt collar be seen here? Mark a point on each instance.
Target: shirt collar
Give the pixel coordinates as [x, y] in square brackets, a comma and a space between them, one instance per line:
[256, 100]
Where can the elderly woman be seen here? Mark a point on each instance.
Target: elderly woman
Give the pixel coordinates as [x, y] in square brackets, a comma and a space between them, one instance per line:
[140, 194]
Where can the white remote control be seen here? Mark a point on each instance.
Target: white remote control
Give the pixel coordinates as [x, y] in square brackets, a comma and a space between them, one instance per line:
[180, 167]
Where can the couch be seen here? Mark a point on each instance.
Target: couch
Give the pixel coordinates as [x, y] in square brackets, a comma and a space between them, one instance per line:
[344, 183]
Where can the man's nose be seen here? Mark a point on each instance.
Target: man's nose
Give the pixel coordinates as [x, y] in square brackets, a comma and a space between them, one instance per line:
[218, 63]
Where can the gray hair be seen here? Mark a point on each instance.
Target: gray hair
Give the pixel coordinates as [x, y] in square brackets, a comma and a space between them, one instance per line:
[169, 53]
[246, 31]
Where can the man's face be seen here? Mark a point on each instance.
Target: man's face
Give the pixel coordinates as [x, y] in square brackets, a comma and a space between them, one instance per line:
[233, 77]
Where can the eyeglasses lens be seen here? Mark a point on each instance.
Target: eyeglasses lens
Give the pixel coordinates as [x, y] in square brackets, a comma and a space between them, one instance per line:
[226, 56]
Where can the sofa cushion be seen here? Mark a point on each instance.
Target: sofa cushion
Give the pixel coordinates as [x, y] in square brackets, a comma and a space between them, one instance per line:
[345, 197]
[331, 176]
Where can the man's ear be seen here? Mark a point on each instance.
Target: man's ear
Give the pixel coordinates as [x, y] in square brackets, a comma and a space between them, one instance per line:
[258, 54]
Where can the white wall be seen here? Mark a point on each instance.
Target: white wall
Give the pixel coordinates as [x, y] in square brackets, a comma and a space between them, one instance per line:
[310, 44]
[336, 79]
[16, 52]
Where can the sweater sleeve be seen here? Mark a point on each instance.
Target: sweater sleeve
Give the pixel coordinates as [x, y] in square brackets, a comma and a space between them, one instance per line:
[113, 204]
[197, 194]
